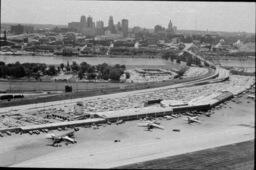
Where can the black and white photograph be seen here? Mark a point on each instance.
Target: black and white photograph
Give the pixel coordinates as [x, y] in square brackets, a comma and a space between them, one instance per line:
[111, 84]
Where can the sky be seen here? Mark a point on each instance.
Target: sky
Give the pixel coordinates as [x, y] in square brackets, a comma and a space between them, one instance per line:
[214, 16]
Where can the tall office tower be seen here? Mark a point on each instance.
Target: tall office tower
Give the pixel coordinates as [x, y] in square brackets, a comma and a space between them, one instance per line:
[83, 19]
[89, 22]
[119, 27]
[83, 23]
[100, 27]
[111, 25]
[125, 27]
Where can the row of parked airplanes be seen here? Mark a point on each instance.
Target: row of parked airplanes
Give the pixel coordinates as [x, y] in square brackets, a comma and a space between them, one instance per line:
[69, 137]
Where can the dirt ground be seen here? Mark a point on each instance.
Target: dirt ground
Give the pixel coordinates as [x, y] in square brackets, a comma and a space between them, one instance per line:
[96, 148]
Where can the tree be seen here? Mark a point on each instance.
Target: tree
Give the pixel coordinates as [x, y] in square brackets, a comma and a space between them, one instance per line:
[51, 71]
[84, 67]
[91, 69]
[91, 76]
[62, 66]
[127, 75]
[74, 66]
[2, 63]
[80, 75]
[115, 74]
[181, 71]
[68, 66]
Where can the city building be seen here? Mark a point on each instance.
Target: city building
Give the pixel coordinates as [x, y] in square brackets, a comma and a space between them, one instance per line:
[20, 29]
[85, 26]
[111, 25]
[125, 27]
[74, 26]
[119, 27]
[83, 23]
[100, 28]
[89, 22]
[159, 29]
[171, 28]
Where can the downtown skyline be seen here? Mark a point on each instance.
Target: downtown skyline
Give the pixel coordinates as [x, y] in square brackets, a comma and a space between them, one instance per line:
[219, 16]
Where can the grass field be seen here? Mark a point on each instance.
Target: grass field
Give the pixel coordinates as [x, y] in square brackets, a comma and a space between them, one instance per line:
[236, 157]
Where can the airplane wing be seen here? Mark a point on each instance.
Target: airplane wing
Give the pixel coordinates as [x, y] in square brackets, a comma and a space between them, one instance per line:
[68, 139]
[196, 121]
[191, 120]
[143, 124]
[157, 126]
[69, 134]
[50, 136]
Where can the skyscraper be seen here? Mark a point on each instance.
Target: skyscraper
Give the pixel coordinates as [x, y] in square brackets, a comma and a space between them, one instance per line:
[111, 25]
[125, 27]
[119, 27]
[82, 23]
[83, 19]
[89, 22]
[100, 27]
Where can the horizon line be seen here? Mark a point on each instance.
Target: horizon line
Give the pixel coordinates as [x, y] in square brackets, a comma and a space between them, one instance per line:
[66, 25]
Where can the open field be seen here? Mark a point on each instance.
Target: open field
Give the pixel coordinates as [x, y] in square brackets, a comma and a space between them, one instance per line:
[95, 148]
[236, 157]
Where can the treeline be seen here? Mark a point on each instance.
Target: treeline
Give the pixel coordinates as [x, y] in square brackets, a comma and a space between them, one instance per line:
[17, 70]
[91, 72]
[185, 57]
[84, 70]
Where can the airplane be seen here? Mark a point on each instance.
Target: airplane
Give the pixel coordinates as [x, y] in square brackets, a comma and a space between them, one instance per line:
[251, 96]
[67, 137]
[119, 122]
[167, 117]
[193, 119]
[150, 125]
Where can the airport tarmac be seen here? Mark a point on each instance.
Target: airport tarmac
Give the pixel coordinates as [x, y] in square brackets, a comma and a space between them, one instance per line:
[96, 147]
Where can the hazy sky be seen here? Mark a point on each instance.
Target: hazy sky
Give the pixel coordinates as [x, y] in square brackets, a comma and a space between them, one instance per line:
[214, 16]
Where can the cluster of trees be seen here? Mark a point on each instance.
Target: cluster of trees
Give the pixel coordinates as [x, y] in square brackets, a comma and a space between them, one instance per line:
[17, 70]
[189, 59]
[84, 70]
[100, 71]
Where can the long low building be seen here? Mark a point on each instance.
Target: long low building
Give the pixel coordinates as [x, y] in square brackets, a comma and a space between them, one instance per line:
[63, 124]
[136, 113]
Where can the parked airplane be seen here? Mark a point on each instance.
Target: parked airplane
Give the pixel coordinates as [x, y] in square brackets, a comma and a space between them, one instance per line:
[191, 119]
[150, 125]
[67, 137]
[119, 122]
[167, 117]
[251, 96]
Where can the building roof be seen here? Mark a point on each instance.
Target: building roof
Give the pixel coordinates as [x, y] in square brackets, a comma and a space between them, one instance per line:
[134, 112]
[51, 125]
